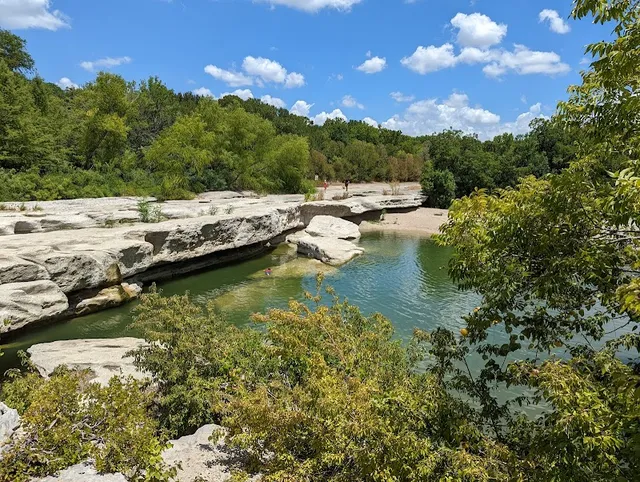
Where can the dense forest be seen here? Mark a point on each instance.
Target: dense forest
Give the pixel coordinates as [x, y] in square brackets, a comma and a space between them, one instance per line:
[114, 137]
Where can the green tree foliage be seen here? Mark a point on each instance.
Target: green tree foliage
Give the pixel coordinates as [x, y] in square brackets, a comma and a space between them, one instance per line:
[14, 53]
[66, 420]
[320, 394]
[557, 261]
[438, 185]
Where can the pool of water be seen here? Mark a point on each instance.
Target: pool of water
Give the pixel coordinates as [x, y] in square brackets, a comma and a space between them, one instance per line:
[403, 277]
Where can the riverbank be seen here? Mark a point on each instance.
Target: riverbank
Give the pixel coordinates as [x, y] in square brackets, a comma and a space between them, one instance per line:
[65, 257]
[422, 221]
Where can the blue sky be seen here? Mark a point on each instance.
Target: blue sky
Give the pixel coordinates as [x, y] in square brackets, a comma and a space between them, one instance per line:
[486, 66]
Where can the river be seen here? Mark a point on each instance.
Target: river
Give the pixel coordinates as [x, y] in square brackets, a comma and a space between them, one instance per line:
[403, 277]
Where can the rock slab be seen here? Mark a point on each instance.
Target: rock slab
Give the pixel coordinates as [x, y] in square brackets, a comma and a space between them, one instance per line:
[106, 358]
[332, 227]
[202, 459]
[109, 298]
[83, 472]
[9, 422]
[24, 303]
[332, 251]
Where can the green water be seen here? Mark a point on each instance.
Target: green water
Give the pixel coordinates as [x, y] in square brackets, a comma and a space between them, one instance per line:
[402, 277]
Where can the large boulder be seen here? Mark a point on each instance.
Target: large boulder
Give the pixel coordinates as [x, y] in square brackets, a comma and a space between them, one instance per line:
[331, 227]
[332, 251]
[18, 270]
[202, 459]
[109, 298]
[83, 472]
[25, 303]
[9, 422]
[105, 358]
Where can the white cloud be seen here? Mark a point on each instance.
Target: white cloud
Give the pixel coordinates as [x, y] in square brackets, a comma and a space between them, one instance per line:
[244, 94]
[267, 70]
[301, 108]
[294, 79]
[203, 92]
[431, 115]
[477, 30]
[232, 79]
[523, 61]
[323, 117]
[400, 97]
[274, 101]
[313, 6]
[350, 102]
[430, 59]
[106, 63]
[22, 14]
[370, 121]
[66, 83]
[373, 65]
[556, 23]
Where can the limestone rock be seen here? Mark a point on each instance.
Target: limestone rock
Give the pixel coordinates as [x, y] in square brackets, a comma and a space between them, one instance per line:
[83, 472]
[9, 422]
[17, 270]
[24, 303]
[109, 298]
[202, 459]
[331, 227]
[329, 250]
[105, 358]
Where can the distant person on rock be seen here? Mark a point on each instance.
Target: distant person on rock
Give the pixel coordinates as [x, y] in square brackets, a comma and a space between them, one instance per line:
[326, 185]
[346, 185]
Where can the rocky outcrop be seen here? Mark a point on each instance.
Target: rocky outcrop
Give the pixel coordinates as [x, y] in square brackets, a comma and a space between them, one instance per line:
[25, 303]
[84, 472]
[105, 358]
[9, 422]
[61, 263]
[332, 251]
[109, 298]
[202, 459]
[330, 227]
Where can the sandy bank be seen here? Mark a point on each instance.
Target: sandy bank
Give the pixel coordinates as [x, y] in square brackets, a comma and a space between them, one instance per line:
[423, 221]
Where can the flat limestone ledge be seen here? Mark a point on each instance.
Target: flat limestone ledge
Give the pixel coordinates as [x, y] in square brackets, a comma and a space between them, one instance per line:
[104, 357]
[63, 264]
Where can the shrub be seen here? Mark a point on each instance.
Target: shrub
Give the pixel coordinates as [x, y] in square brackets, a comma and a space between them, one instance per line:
[67, 420]
[149, 212]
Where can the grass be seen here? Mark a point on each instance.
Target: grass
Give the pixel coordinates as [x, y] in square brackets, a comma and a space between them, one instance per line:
[149, 212]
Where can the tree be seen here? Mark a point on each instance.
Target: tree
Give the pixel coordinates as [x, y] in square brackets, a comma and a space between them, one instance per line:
[439, 186]
[557, 261]
[14, 53]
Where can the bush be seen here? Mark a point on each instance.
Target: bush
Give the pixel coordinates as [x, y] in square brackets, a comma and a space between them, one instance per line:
[67, 420]
[320, 394]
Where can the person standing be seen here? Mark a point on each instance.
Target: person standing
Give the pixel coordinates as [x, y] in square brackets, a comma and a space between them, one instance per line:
[326, 185]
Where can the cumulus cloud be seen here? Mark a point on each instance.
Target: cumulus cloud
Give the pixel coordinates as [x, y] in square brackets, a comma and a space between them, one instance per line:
[430, 59]
[244, 94]
[370, 121]
[231, 78]
[294, 79]
[556, 23]
[106, 63]
[523, 61]
[323, 117]
[313, 6]
[66, 83]
[400, 97]
[301, 108]
[274, 101]
[203, 92]
[257, 70]
[478, 30]
[22, 14]
[456, 112]
[350, 102]
[373, 65]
